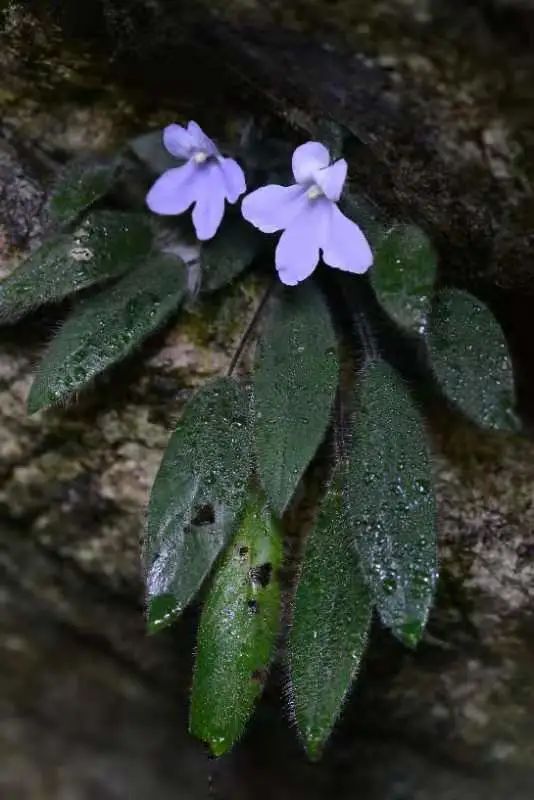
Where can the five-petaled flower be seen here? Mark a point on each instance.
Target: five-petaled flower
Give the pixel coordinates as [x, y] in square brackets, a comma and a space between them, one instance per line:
[307, 212]
[207, 179]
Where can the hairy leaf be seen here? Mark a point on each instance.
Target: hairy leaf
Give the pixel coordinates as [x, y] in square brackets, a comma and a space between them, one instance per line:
[80, 185]
[197, 495]
[229, 253]
[391, 503]
[237, 631]
[403, 275]
[105, 328]
[104, 246]
[330, 625]
[294, 383]
[470, 357]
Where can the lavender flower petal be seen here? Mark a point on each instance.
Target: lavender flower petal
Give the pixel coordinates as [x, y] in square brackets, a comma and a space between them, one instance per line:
[178, 141]
[209, 208]
[272, 208]
[297, 253]
[345, 247]
[174, 191]
[332, 179]
[307, 159]
[234, 179]
[201, 141]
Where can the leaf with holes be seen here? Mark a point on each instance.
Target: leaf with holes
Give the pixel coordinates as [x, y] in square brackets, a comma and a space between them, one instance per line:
[229, 253]
[403, 275]
[390, 501]
[80, 185]
[295, 383]
[198, 492]
[237, 631]
[470, 358]
[104, 246]
[106, 328]
[330, 624]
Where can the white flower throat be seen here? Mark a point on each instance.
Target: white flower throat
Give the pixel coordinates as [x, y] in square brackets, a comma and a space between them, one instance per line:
[314, 192]
[200, 157]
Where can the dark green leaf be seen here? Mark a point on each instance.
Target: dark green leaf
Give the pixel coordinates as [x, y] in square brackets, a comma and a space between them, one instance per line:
[295, 383]
[149, 149]
[391, 502]
[331, 621]
[197, 495]
[104, 329]
[470, 357]
[237, 631]
[105, 245]
[403, 275]
[79, 186]
[365, 215]
[229, 253]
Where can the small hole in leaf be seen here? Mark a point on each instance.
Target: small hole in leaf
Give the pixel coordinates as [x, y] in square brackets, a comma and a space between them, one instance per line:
[261, 575]
[243, 551]
[204, 515]
[252, 606]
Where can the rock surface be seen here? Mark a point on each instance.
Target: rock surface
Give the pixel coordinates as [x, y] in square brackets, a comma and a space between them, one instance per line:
[89, 706]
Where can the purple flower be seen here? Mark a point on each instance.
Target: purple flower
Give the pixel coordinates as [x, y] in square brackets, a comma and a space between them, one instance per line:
[207, 180]
[308, 215]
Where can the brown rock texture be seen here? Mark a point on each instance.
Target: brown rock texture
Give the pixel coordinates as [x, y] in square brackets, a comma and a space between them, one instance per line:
[439, 97]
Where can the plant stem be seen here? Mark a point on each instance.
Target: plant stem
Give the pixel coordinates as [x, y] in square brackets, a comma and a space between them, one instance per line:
[250, 327]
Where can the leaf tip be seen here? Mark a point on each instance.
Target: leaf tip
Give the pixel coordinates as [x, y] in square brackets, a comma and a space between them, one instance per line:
[314, 744]
[410, 633]
[162, 611]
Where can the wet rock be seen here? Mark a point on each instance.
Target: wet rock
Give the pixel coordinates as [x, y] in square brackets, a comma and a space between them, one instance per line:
[91, 707]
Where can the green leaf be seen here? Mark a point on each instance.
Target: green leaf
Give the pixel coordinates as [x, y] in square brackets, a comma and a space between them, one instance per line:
[149, 149]
[391, 503]
[237, 631]
[79, 186]
[106, 328]
[403, 275]
[330, 625]
[294, 386]
[366, 215]
[197, 495]
[470, 358]
[229, 253]
[105, 245]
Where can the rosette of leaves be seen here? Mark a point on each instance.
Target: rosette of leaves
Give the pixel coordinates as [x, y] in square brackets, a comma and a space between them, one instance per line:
[331, 387]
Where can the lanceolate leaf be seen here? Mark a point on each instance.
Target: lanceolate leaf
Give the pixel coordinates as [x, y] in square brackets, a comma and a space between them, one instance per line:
[104, 329]
[79, 186]
[390, 501]
[470, 357]
[197, 495]
[331, 621]
[229, 253]
[237, 631]
[403, 275]
[294, 383]
[105, 245]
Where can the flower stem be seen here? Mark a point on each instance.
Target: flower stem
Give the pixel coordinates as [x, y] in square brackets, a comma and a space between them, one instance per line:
[250, 327]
